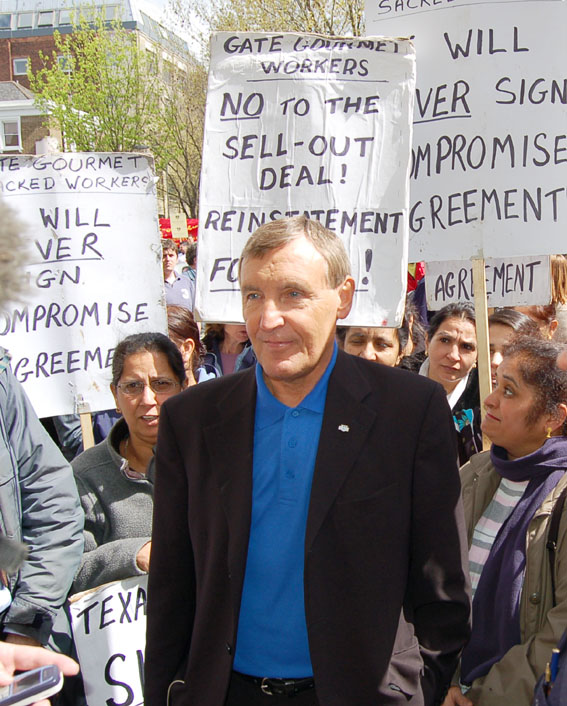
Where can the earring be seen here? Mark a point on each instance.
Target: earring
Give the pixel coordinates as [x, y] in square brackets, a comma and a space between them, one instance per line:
[119, 410]
[548, 435]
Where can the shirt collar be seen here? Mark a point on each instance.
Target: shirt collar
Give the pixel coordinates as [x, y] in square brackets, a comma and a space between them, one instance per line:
[454, 396]
[271, 410]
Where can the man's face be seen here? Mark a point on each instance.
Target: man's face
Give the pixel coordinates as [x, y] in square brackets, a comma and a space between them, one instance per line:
[169, 260]
[291, 312]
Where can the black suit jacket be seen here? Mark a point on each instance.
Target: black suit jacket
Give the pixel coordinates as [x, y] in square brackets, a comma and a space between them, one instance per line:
[385, 584]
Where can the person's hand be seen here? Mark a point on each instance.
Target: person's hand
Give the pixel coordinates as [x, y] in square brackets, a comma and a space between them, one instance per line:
[21, 640]
[143, 557]
[456, 698]
[562, 360]
[22, 657]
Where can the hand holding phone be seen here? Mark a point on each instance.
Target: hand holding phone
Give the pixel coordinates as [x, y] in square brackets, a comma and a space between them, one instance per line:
[32, 686]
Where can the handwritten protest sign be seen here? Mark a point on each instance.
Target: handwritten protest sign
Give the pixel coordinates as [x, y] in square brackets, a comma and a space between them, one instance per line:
[398, 8]
[519, 281]
[109, 629]
[490, 141]
[94, 272]
[305, 124]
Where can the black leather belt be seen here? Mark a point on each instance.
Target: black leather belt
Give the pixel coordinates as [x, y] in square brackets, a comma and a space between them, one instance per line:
[279, 687]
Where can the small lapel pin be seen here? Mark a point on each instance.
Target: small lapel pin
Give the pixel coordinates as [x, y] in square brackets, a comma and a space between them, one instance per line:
[344, 427]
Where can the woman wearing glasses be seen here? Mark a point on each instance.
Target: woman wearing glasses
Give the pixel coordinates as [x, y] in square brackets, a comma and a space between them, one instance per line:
[114, 477]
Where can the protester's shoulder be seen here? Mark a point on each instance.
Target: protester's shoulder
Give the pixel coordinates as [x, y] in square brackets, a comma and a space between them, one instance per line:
[91, 461]
[213, 390]
[395, 379]
[11, 392]
[4, 360]
[479, 464]
[4, 371]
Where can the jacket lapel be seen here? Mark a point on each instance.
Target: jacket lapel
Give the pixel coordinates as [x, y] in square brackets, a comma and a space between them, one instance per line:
[346, 424]
[230, 443]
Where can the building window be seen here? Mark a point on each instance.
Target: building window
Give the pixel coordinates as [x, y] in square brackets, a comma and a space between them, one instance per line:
[25, 20]
[152, 60]
[65, 63]
[110, 12]
[5, 20]
[167, 71]
[66, 17]
[20, 66]
[10, 135]
[45, 19]
[87, 13]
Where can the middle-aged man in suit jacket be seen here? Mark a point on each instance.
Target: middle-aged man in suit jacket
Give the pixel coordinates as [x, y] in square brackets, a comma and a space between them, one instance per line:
[308, 540]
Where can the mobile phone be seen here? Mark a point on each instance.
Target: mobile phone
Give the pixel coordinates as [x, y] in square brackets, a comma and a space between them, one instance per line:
[32, 686]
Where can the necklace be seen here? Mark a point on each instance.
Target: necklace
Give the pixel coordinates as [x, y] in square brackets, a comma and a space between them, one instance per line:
[130, 467]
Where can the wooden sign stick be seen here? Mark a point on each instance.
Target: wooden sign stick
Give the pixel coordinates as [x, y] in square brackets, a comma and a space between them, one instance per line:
[483, 345]
[86, 423]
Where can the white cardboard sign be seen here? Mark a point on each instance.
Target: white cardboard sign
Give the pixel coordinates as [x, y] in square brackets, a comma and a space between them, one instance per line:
[109, 629]
[519, 281]
[94, 271]
[489, 152]
[306, 124]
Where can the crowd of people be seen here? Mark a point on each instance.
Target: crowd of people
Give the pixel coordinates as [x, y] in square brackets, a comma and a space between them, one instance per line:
[320, 520]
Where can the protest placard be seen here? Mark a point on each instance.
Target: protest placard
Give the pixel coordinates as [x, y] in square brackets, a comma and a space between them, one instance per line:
[306, 124]
[94, 272]
[179, 226]
[109, 629]
[490, 142]
[519, 281]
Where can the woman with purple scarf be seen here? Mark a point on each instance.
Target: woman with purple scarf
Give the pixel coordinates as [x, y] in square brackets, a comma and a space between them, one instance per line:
[519, 611]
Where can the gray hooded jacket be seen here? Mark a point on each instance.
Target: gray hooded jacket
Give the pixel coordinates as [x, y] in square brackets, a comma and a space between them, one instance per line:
[39, 505]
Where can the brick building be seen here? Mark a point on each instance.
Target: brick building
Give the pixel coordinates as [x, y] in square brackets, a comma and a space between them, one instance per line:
[21, 124]
[26, 28]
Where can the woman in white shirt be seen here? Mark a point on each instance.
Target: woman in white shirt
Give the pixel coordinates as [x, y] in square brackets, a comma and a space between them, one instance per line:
[451, 361]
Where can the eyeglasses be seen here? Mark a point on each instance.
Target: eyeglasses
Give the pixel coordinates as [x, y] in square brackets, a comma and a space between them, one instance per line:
[161, 386]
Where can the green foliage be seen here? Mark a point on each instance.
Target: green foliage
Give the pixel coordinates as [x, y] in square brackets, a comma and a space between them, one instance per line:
[333, 17]
[181, 125]
[103, 95]
[330, 17]
[108, 95]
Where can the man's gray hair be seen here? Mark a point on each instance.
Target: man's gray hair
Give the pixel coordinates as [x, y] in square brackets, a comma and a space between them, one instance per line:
[276, 234]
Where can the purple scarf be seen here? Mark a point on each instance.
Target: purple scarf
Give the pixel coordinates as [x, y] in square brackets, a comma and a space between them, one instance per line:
[496, 604]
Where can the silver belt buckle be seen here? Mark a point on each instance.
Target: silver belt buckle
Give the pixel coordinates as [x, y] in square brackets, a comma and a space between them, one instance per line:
[265, 687]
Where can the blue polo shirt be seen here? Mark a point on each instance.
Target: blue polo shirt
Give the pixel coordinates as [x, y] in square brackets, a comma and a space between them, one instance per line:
[272, 630]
